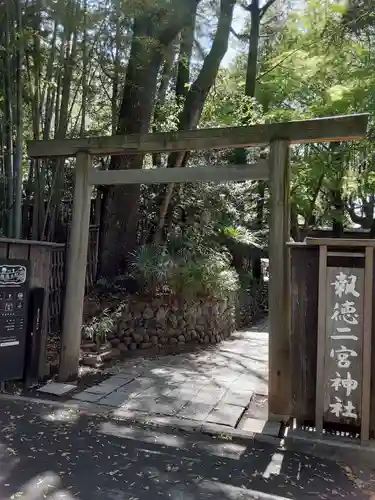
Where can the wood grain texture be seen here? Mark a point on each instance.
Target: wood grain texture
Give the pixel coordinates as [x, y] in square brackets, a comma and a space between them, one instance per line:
[367, 340]
[341, 242]
[31, 242]
[279, 387]
[3, 249]
[76, 271]
[40, 269]
[372, 398]
[257, 171]
[336, 128]
[16, 251]
[304, 297]
[320, 356]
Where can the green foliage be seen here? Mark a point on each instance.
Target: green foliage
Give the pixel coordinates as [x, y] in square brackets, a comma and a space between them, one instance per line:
[98, 328]
[151, 266]
[180, 270]
[227, 106]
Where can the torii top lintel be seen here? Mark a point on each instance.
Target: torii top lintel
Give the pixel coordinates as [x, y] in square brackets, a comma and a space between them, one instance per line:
[329, 129]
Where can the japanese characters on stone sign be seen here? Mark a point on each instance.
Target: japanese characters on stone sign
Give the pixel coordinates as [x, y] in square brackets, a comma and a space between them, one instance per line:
[343, 367]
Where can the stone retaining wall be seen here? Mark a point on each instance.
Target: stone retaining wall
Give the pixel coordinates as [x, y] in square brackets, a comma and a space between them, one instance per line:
[252, 304]
[161, 322]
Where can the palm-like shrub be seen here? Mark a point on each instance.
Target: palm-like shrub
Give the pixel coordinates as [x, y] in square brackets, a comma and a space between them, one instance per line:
[184, 271]
[151, 266]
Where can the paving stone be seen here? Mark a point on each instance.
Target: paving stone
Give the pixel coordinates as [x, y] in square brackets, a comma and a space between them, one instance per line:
[192, 386]
[258, 407]
[102, 389]
[152, 392]
[226, 374]
[238, 398]
[126, 370]
[195, 411]
[162, 371]
[116, 398]
[261, 426]
[254, 383]
[89, 397]
[210, 396]
[110, 385]
[226, 415]
[182, 393]
[162, 405]
[57, 389]
[137, 386]
[119, 380]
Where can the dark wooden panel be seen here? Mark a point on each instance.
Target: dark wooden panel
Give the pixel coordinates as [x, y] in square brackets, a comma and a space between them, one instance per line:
[17, 251]
[4, 250]
[304, 324]
[40, 258]
[372, 410]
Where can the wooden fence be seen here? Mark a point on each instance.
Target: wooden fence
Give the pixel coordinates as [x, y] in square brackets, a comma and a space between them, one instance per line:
[305, 325]
[57, 278]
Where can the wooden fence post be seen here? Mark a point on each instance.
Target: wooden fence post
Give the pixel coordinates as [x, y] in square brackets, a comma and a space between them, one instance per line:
[76, 271]
[321, 340]
[367, 333]
[279, 393]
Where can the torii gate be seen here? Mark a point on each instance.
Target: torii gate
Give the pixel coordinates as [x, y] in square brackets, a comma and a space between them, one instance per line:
[276, 170]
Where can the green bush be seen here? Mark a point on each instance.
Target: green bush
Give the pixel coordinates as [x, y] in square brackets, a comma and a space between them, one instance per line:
[181, 271]
[151, 266]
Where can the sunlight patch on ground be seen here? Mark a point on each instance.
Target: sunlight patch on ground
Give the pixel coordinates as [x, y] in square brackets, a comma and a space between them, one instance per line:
[38, 488]
[274, 467]
[230, 492]
[62, 415]
[142, 435]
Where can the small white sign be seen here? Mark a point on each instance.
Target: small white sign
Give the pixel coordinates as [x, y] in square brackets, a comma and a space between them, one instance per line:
[12, 275]
[9, 344]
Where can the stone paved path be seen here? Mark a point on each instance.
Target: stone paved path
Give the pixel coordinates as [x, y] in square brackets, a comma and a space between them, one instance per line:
[214, 386]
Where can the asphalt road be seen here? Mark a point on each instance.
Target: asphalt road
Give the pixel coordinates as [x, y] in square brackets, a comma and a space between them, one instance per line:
[66, 454]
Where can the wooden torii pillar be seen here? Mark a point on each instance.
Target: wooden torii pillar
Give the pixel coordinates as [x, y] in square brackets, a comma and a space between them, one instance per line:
[278, 135]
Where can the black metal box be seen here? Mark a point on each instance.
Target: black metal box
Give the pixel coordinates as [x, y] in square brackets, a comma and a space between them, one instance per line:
[14, 292]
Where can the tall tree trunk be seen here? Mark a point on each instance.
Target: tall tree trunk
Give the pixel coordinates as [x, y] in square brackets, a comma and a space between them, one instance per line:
[336, 192]
[19, 124]
[252, 55]
[85, 64]
[165, 78]
[8, 116]
[196, 97]
[70, 50]
[184, 58]
[257, 14]
[121, 203]
[117, 69]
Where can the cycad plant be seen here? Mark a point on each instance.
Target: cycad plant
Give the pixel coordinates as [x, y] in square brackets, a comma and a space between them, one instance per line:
[184, 272]
[151, 266]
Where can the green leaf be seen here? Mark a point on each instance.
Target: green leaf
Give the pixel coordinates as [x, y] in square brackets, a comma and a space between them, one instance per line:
[337, 92]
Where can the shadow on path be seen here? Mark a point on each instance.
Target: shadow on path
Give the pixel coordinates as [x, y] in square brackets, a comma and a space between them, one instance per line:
[65, 454]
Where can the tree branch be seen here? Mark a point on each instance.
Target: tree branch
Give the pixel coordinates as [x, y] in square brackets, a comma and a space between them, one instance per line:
[282, 60]
[243, 37]
[265, 7]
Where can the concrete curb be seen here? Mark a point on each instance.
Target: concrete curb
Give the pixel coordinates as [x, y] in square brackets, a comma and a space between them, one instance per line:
[331, 448]
[327, 448]
[140, 418]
